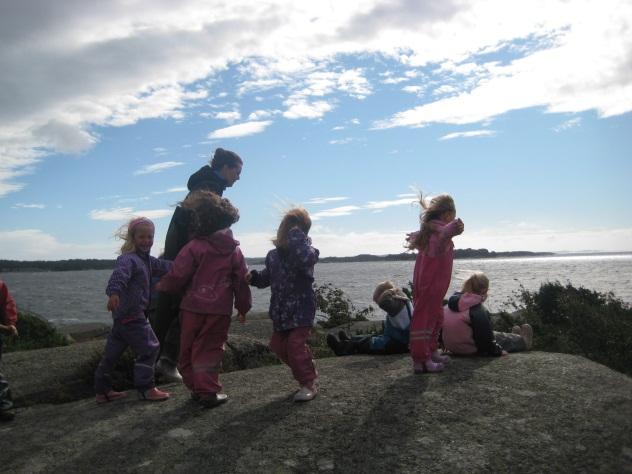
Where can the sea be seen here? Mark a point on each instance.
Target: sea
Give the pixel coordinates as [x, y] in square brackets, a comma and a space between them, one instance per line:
[73, 297]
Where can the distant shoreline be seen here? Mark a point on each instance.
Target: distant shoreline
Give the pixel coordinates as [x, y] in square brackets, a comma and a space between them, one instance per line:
[108, 264]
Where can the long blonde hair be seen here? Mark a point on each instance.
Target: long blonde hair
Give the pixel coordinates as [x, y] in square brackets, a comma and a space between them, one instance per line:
[431, 209]
[127, 231]
[294, 217]
[476, 283]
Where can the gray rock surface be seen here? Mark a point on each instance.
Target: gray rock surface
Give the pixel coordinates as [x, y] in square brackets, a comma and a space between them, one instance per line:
[529, 412]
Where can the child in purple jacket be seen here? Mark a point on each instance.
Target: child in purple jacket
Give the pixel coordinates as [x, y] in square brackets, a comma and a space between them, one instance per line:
[290, 273]
[212, 272]
[129, 293]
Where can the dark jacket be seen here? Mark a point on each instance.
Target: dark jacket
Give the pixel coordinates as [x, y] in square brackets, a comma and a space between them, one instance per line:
[290, 274]
[178, 233]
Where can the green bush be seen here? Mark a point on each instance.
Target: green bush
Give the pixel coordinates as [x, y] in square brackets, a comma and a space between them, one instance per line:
[33, 333]
[577, 321]
[337, 307]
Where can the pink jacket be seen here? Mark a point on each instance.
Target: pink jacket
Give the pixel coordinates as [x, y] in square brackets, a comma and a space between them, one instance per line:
[212, 272]
[458, 336]
[8, 311]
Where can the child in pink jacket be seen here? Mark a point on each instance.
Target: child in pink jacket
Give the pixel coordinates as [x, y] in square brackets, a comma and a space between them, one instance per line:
[211, 270]
[431, 279]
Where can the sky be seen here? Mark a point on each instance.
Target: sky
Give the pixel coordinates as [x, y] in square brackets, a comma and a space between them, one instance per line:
[520, 110]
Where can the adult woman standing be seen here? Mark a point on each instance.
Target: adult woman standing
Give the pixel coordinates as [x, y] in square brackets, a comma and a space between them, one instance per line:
[223, 171]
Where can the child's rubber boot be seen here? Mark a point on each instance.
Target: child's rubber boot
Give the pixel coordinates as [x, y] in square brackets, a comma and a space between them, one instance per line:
[437, 356]
[110, 396]
[153, 395]
[211, 400]
[428, 366]
[305, 394]
[526, 331]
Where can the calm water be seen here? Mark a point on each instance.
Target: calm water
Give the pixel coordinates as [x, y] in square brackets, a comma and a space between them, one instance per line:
[71, 297]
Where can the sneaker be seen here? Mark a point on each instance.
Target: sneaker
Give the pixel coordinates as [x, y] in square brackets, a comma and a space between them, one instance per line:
[526, 331]
[211, 400]
[110, 396]
[305, 394]
[439, 357]
[427, 366]
[153, 395]
[516, 330]
[167, 371]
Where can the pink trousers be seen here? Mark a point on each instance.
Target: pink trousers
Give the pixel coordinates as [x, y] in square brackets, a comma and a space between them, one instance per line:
[291, 347]
[202, 339]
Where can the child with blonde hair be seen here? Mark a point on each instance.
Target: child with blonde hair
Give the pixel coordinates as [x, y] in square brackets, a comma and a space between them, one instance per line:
[289, 271]
[212, 272]
[129, 293]
[467, 326]
[431, 279]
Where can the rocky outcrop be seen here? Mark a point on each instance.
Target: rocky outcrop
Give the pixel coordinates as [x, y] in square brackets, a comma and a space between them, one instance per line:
[527, 412]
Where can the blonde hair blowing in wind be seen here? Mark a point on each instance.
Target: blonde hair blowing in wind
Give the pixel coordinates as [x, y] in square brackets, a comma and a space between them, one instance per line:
[127, 231]
[296, 217]
[432, 209]
[477, 283]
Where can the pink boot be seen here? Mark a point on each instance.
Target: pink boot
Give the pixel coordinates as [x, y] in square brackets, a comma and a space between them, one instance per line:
[427, 366]
[110, 396]
[153, 395]
[439, 357]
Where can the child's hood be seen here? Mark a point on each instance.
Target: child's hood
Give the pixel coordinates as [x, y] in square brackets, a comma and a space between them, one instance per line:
[459, 302]
[222, 241]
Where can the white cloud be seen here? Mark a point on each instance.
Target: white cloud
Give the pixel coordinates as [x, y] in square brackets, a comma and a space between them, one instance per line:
[228, 116]
[335, 212]
[300, 108]
[34, 244]
[178, 189]
[406, 201]
[262, 114]
[414, 89]
[21, 205]
[319, 200]
[122, 62]
[341, 141]
[126, 213]
[469, 134]
[568, 124]
[158, 167]
[241, 130]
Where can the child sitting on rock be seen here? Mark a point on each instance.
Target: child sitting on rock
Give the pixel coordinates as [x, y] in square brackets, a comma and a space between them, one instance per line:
[289, 272]
[394, 340]
[129, 292]
[211, 271]
[467, 327]
[8, 319]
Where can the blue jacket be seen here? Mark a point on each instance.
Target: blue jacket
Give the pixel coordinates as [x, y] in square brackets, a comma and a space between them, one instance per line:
[396, 327]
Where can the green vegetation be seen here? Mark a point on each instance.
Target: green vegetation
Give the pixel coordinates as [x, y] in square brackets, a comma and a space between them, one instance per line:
[337, 307]
[33, 333]
[576, 321]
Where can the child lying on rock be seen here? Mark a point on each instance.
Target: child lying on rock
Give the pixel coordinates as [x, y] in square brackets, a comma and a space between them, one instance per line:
[396, 326]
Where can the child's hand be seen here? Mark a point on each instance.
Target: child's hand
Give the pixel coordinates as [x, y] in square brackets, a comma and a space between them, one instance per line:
[113, 302]
[248, 277]
[242, 318]
[12, 330]
[460, 227]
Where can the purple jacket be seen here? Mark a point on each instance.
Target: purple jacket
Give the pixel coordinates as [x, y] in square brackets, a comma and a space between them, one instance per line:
[131, 280]
[290, 274]
[212, 271]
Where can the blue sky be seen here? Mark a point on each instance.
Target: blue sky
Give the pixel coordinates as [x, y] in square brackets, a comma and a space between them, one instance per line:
[521, 111]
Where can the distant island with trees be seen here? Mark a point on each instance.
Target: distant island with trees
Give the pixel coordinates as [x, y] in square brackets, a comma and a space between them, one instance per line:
[108, 264]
